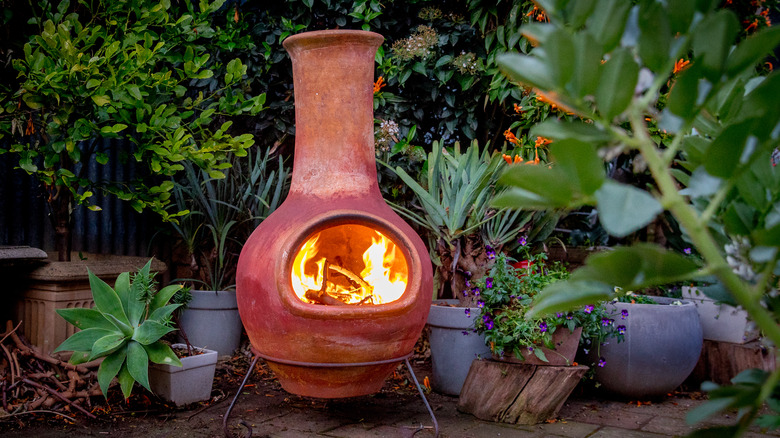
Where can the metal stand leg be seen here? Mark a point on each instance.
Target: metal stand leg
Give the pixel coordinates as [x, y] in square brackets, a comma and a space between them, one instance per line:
[233, 403]
[425, 400]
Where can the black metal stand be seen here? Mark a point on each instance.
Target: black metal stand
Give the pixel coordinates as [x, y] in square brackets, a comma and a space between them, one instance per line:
[257, 357]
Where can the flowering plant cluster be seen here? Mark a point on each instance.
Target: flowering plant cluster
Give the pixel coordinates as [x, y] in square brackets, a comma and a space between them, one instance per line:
[505, 295]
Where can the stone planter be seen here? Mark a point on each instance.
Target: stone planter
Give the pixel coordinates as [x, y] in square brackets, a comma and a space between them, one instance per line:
[661, 347]
[721, 322]
[566, 343]
[453, 345]
[187, 384]
[60, 285]
[211, 320]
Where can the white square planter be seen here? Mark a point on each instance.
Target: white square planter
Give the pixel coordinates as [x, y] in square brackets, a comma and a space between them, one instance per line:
[721, 322]
[187, 384]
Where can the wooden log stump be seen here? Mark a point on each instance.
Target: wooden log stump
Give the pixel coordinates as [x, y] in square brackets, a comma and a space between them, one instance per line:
[721, 361]
[517, 393]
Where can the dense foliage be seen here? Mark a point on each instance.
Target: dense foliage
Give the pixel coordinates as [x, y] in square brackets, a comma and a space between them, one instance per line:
[681, 65]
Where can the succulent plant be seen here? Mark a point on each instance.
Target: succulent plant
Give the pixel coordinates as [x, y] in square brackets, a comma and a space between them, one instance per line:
[125, 327]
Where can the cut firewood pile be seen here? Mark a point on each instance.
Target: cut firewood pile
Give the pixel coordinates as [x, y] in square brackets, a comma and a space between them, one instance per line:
[33, 382]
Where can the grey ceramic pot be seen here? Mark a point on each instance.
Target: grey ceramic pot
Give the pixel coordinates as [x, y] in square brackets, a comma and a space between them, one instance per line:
[211, 320]
[453, 345]
[661, 347]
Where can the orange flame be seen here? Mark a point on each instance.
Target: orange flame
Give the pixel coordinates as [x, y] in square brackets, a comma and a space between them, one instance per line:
[380, 279]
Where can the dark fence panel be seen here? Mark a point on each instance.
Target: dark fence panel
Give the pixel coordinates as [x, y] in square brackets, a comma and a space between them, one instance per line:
[117, 229]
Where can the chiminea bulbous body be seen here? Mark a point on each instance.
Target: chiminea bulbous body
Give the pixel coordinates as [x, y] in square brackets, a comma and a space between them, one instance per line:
[317, 348]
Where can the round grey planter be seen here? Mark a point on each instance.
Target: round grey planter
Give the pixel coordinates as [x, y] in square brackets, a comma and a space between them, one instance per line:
[211, 321]
[453, 345]
[661, 347]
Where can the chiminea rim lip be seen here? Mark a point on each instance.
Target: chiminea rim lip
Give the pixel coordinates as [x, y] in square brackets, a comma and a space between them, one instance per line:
[334, 218]
[323, 38]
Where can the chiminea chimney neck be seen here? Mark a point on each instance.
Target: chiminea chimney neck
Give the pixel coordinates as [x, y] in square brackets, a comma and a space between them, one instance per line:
[333, 75]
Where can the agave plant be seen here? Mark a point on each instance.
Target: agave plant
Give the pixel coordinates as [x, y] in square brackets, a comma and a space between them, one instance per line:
[463, 231]
[125, 327]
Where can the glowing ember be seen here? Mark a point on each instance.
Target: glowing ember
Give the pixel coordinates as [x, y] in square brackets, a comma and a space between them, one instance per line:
[349, 264]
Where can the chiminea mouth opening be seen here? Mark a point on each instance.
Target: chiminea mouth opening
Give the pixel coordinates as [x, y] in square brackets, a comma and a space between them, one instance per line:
[347, 265]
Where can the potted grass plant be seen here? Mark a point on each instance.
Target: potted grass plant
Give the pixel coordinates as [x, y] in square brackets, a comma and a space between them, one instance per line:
[126, 329]
[464, 235]
[221, 214]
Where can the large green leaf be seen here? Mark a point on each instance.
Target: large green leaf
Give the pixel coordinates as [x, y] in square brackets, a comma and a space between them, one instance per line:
[528, 70]
[580, 164]
[563, 296]
[753, 49]
[712, 41]
[655, 35]
[138, 363]
[122, 289]
[559, 53]
[636, 267]
[83, 340]
[126, 381]
[162, 297]
[587, 61]
[150, 331]
[161, 315]
[550, 184]
[106, 345]
[624, 209]
[619, 76]
[106, 299]
[724, 154]
[109, 368]
[85, 318]
[557, 130]
[607, 23]
[160, 352]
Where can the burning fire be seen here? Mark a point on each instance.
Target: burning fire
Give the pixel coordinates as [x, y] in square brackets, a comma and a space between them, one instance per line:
[329, 268]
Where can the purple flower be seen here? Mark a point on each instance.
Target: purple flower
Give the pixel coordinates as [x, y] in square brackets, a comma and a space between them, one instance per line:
[602, 362]
[465, 332]
[621, 329]
[606, 322]
[490, 252]
[623, 314]
[488, 321]
[585, 350]
[543, 326]
[559, 315]
[531, 349]
[687, 251]
[489, 325]
[468, 312]
[475, 291]
[467, 274]
[589, 308]
[569, 316]
[488, 282]
[480, 304]
[468, 283]
[465, 293]
[522, 241]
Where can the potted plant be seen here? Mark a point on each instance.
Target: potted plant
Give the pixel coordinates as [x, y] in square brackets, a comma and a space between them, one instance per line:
[125, 328]
[464, 235]
[506, 295]
[662, 344]
[221, 214]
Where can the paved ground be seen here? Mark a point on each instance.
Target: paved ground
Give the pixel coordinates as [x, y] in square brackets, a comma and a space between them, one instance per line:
[396, 411]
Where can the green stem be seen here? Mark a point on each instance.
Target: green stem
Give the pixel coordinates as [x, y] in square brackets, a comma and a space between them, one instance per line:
[715, 202]
[697, 230]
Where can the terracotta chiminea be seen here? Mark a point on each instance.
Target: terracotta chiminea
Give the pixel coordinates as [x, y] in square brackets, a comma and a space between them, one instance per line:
[305, 284]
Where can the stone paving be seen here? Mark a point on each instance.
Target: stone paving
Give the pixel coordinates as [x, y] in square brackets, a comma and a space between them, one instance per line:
[396, 411]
